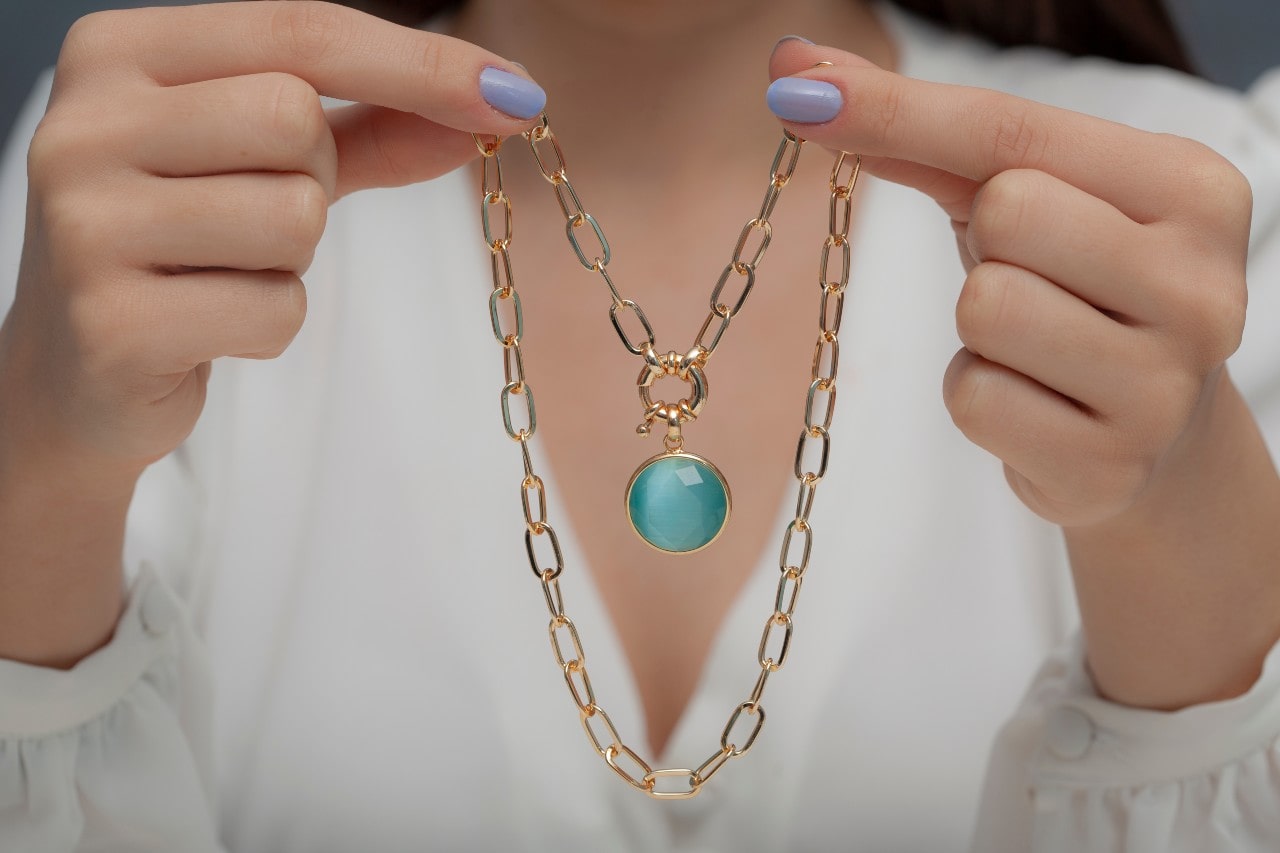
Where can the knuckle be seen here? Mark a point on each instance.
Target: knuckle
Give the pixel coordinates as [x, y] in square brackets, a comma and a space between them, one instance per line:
[1014, 138]
[53, 145]
[288, 300]
[76, 230]
[988, 307]
[98, 326]
[999, 211]
[297, 119]
[973, 399]
[429, 58]
[309, 31]
[1217, 317]
[89, 38]
[886, 111]
[305, 209]
[1216, 189]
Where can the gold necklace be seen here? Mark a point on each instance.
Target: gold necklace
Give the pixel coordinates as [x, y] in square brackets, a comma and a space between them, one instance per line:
[676, 501]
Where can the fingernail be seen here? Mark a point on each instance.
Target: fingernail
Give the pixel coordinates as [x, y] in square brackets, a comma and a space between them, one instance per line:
[511, 93]
[801, 39]
[800, 100]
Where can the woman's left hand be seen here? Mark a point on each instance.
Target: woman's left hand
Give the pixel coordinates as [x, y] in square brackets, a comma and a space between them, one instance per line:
[1105, 289]
[1105, 268]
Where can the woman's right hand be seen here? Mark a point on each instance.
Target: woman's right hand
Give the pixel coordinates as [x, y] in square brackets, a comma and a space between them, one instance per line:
[179, 184]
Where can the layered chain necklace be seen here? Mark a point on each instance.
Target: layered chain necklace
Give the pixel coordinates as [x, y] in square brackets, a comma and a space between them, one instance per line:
[676, 501]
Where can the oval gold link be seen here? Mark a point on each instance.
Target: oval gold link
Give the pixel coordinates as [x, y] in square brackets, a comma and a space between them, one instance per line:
[827, 352]
[525, 390]
[513, 364]
[570, 206]
[490, 200]
[616, 750]
[769, 661]
[551, 591]
[806, 434]
[810, 420]
[766, 231]
[576, 667]
[742, 271]
[757, 692]
[840, 215]
[596, 712]
[628, 305]
[651, 780]
[536, 138]
[708, 768]
[501, 335]
[751, 709]
[503, 276]
[577, 222]
[789, 584]
[700, 341]
[579, 655]
[844, 186]
[829, 318]
[787, 156]
[533, 483]
[824, 272]
[490, 184]
[547, 530]
[784, 561]
[804, 499]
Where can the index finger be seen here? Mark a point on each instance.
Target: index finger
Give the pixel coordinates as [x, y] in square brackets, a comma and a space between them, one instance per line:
[978, 133]
[341, 52]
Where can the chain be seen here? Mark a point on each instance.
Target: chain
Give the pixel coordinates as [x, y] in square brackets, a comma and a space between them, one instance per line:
[747, 718]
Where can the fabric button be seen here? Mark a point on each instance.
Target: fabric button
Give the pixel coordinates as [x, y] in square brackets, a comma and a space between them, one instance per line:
[1069, 733]
[157, 611]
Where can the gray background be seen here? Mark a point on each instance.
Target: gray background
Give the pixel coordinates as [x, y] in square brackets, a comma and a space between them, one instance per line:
[1232, 40]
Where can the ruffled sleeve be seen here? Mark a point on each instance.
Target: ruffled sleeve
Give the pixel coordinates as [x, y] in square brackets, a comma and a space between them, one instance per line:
[1074, 772]
[112, 755]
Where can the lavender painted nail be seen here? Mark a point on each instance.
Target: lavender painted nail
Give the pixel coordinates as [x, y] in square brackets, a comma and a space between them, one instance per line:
[511, 93]
[800, 39]
[804, 101]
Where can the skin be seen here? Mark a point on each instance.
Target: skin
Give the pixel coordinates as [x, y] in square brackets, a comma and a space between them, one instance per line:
[1110, 362]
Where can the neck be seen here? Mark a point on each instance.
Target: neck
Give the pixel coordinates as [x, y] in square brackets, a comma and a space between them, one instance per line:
[662, 88]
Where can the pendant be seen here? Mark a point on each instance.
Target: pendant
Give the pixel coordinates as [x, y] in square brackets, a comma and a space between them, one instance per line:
[678, 502]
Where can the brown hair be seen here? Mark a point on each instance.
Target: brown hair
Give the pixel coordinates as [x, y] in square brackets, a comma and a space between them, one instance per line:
[1129, 30]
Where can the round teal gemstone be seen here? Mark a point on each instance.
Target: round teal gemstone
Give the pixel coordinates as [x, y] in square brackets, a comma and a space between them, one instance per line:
[678, 502]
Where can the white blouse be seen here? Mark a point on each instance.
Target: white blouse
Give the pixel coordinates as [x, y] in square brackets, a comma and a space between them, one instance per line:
[379, 651]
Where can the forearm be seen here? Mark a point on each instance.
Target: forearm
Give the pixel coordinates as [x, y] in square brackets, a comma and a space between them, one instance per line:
[62, 522]
[1180, 595]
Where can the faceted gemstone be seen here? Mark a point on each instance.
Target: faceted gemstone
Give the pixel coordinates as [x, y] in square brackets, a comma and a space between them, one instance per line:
[678, 503]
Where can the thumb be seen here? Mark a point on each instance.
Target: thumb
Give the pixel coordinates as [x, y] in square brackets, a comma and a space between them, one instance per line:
[795, 56]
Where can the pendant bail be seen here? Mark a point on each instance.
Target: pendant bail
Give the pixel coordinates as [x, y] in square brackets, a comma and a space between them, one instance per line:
[686, 367]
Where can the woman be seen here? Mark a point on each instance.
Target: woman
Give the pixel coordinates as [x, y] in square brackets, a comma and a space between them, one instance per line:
[336, 528]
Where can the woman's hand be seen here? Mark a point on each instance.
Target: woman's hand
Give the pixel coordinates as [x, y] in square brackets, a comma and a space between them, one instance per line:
[179, 184]
[1105, 289]
[1105, 283]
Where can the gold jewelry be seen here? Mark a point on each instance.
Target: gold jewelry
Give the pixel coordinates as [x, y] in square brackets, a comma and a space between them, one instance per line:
[695, 472]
